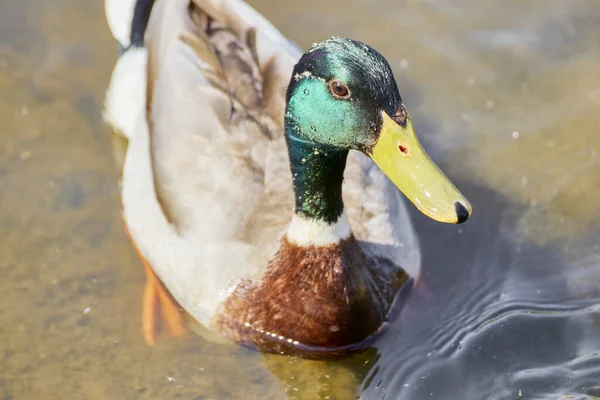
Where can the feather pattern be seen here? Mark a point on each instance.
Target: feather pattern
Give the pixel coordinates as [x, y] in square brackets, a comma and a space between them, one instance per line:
[207, 189]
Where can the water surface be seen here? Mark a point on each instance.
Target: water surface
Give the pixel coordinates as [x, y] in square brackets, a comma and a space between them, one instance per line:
[505, 96]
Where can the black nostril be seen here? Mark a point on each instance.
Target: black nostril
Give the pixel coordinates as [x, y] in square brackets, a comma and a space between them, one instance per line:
[461, 212]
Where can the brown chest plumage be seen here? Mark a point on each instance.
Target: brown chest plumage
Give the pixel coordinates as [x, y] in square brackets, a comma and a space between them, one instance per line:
[311, 299]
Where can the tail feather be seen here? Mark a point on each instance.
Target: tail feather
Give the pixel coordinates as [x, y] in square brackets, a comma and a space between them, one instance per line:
[139, 22]
[126, 95]
[125, 101]
[119, 14]
[127, 20]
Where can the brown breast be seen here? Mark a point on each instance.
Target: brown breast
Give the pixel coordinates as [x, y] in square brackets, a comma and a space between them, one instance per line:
[311, 297]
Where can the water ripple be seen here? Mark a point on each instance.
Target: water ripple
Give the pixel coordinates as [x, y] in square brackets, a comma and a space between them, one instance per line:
[514, 323]
[489, 342]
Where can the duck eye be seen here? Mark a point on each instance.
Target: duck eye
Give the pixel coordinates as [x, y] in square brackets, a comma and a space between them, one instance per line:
[338, 89]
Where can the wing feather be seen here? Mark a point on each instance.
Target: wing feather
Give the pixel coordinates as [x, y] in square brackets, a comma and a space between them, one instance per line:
[217, 77]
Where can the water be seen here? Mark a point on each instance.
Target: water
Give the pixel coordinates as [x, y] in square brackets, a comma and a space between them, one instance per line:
[504, 95]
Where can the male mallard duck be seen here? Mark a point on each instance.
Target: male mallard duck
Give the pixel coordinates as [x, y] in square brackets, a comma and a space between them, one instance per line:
[232, 184]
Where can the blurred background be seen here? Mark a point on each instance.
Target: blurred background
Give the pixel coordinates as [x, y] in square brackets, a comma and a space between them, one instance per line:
[505, 96]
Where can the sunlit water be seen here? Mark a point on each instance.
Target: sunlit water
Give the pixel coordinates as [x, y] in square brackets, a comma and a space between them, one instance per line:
[506, 97]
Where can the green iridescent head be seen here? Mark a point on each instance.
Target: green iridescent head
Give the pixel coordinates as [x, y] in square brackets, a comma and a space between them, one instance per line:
[336, 93]
[343, 96]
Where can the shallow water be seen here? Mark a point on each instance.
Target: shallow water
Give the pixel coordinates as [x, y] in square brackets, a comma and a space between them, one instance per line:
[505, 95]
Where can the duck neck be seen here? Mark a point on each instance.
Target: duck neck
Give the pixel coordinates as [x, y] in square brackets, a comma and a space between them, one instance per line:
[317, 174]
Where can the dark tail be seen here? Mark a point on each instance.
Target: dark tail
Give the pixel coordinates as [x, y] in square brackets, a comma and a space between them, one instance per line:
[139, 23]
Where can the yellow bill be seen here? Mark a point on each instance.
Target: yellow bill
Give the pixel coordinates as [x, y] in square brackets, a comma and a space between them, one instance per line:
[400, 156]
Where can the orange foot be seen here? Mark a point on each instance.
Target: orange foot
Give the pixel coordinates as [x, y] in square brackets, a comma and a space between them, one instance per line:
[157, 299]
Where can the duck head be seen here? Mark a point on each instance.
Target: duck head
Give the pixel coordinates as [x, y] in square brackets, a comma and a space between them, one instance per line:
[343, 96]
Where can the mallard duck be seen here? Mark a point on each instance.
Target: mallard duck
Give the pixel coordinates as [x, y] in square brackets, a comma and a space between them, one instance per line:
[261, 186]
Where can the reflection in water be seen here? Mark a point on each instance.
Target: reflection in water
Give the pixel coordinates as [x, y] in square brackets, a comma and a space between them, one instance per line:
[504, 95]
[509, 324]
